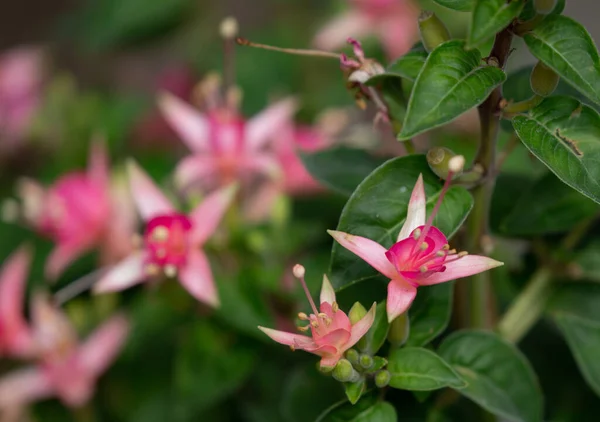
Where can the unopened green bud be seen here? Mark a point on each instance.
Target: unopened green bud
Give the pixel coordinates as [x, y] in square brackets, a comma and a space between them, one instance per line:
[399, 330]
[438, 159]
[352, 356]
[357, 312]
[345, 372]
[543, 80]
[432, 29]
[366, 361]
[544, 7]
[382, 378]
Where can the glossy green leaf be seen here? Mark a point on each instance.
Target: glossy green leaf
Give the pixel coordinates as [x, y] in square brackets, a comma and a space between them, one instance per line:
[583, 338]
[579, 299]
[586, 262]
[430, 313]
[418, 369]
[565, 135]
[490, 17]
[409, 65]
[391, 87]
[377, 210]
[368, 409]
[460, 5]
[499, 377]
[451, 82]
[342, 169]
[355, 389]
[548, 206]
[377, 334]
[564, 45]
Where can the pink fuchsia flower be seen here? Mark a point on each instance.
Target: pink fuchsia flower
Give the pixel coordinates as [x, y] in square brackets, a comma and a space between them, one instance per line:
[225, 146]
[332, 333]
[15, 336]
[394, 22]
[65, 369]
[421, 255]
[171, 242]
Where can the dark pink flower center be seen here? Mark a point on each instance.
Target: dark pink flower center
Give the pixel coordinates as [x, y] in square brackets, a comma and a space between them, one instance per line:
[167, 241]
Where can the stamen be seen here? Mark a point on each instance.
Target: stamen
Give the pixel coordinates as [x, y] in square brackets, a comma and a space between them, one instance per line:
[160, 233]
[299, 272]
[446, 247]
[335, 307]
[451, 251]
[463, 253]
[303, 329]
[303, 317]
[423, 268]
[295, 51]
[228, 30]
[170, 270]
[441, 253]
[325, 318]
[423, 246]
[152, 269]
[314, 324]
[292, 347]
[417, 234]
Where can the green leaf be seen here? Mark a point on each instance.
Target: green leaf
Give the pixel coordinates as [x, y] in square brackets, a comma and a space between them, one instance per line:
[377, 210]
[409, 65]
[565, 135]
[391, 88]
[377, 334]
[490, 17]
[368, 409]
[583, 338]
[565, 46]
[451, 82]
[378, 363]
[342, 169]
[430, 313]
[499, 377]
[586, 262]
[548, 206]
[415, 368]
[355, 389]
[579, 299]
[460, 5]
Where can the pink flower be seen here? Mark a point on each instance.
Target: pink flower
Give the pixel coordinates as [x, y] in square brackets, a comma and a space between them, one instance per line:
[171, 241]
[332, 333]
[420, 257]
[64, 369]
[78, 212]
[393, 21]
[225, 147]
[15, 337]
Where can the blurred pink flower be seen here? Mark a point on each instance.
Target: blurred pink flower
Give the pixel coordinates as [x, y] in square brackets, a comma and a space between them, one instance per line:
[80, 211]
[393, 21]
[64, 369]
[421, 255]
[15, 336]
[20, 85]
[171, 241]
[332, 333]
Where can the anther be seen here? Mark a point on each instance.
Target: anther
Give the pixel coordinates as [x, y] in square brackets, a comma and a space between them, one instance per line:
[292, 348]
[152, 269]
[170, 270]
[302, 316]
[423, 246]
[160, 233]
[463, 253]
[423, 268]
[299, 271]
[335, 307]
[314, 324]
[417, 234]
[303, 329]
[446, 247]
[451, 251]
[441, 253]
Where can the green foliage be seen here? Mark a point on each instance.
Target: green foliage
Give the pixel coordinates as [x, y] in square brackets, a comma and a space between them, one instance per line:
[490, 17]
[430, 313]
[460, 5]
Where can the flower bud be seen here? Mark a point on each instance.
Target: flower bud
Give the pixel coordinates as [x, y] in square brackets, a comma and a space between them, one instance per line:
[357, 312]
[399, 330]
[432, 29]
[543, 80]
[352, 356]
[345, 372]
[382, 378]
[544, 7]
[299, 271]
[438, 159]
[228, 28]
[366, 361]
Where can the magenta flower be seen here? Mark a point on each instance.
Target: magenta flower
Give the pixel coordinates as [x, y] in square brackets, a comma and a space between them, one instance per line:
[420, 257]
[394, 22]
[15, 336]
[332, 333]
[225, 147]
[171, 241]
[64, 369]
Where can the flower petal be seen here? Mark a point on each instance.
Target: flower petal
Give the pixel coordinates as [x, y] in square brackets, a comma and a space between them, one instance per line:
[101, 348]
[463, 267]
[415, 215]
[63, 255]
[327, 292]
[191, 125]
[196, 277]
[336, 32]
[370, 251]
[207, 216]
[266, 125]
[333, 338]
[24, 386]
[329, 358]
[361, 327]
[196, 168]
[265, 164]
[289, 339]
[400, 296]
[125, 274]
[148, 198]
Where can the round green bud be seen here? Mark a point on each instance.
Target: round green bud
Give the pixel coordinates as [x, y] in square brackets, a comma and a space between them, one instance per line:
[438, 159]
[345, 372]
[366, 361]
[356, 313]
[544, 7]
[543, 80]
[399, 330]
[352, 355]
[382, 378]
[432, 29]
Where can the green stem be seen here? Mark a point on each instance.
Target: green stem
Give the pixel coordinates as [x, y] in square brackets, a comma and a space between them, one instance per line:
[410, 146]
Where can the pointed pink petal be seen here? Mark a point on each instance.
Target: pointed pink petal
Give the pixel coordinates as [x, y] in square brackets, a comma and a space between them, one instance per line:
[197, 168]
[150, 201]
[361, 327]
[208, 215]
[334, 338]
[24, 386]
[266, 125]
[98, 168]
[196, 277]
[101, 348]
[327, 292]
[190, 124]
[372, 252]
[463, 267]
[52, 330]
[415, 216]
[400, 297]
[63, 255]
[125, 274]
[256, 163]
[289, 339]
[336, 32]
[330, 358]
[260, 205]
